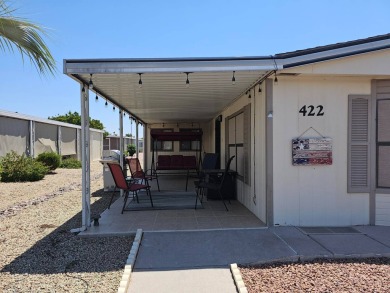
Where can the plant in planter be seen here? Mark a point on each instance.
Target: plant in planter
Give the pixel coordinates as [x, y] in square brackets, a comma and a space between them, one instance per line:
[131, 150]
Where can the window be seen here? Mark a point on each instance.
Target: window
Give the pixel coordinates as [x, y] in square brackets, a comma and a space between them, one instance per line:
[238, 143]
[188, 145]
[165, 146]
[383, 143]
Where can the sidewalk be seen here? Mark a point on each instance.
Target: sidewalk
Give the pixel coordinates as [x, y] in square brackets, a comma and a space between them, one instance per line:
[198, 261]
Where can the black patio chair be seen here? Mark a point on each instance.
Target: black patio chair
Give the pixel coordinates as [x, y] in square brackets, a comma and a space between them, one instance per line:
[216, 186]
[209, 162]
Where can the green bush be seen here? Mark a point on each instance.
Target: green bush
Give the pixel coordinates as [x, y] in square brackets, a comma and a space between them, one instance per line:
[70, 163]
[50, 159]
[16, 168]
[131, 150]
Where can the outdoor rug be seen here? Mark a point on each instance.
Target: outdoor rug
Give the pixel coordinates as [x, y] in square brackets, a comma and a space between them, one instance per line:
[165, 200]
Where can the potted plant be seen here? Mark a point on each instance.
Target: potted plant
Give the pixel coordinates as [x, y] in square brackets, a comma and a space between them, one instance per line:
[131, 150]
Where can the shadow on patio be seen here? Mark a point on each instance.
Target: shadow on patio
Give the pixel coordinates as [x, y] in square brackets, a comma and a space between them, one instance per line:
[212, 216]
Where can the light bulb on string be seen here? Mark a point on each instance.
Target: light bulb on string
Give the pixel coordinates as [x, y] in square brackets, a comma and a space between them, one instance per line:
[187, 81]
[90, 85]
[140, 80]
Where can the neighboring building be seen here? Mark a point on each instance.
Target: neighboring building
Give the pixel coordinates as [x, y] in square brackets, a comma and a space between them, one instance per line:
[112, 142]
[32, 136]
[265, 110]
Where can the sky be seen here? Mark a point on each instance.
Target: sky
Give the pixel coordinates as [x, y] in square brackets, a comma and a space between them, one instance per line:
[162, 29]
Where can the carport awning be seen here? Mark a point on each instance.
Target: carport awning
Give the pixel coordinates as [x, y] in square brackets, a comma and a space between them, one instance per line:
[164, 95]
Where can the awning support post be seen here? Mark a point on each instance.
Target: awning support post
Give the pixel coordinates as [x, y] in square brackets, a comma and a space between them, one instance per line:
[85, 158]
[121, 145]
[136, 137]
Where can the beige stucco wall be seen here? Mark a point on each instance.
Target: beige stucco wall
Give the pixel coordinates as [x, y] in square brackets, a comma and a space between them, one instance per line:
[315, 195]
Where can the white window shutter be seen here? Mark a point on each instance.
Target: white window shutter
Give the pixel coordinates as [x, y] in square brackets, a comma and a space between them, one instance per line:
[359, 117]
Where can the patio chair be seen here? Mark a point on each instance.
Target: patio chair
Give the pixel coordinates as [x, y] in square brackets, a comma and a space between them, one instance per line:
[137, 173]
[209, 162]
[216, 186]
[126, 186]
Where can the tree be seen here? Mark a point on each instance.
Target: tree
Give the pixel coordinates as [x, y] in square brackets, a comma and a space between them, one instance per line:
[26, 37]
[128, 135]
[75, 118]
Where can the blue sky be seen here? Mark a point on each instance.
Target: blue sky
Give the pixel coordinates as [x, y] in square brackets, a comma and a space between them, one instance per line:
[143, 29]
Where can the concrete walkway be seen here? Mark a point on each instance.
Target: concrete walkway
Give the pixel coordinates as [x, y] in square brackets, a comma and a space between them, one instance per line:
[198, 261]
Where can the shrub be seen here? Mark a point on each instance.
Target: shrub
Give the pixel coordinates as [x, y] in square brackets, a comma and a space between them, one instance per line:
[50, 159]
[131, 150]
[16, 168]
[70, 163]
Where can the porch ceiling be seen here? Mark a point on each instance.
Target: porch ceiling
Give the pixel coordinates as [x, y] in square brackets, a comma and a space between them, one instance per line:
[164, 96]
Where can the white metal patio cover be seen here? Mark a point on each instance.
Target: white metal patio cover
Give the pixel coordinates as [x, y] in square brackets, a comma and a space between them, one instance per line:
[164, 96]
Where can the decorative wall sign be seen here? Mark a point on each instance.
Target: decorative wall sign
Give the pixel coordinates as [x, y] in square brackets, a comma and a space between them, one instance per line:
[311, 151]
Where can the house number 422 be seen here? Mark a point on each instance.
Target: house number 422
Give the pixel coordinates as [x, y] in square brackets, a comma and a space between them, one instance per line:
[312, 110]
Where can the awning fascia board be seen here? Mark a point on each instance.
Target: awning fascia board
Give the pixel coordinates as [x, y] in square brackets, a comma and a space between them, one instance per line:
[118, 66]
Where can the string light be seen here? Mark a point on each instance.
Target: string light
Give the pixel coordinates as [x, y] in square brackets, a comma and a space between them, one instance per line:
[187, 81]
[106, 104]
[113, 108]
[259, 87]
[90, 83]
[96, 98]
[83, 89]
[140, 80]
[233, 79]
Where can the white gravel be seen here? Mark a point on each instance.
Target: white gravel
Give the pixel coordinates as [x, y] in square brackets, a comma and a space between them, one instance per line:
[39, 254]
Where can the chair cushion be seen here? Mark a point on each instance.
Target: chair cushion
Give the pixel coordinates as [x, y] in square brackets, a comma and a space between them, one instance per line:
[164, 162]
[137, 186]
[176, 162]
[210, 161]
[189, 162]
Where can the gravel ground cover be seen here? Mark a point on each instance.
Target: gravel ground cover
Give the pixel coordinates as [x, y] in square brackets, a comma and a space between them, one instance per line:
[339, 275]
[39, 254]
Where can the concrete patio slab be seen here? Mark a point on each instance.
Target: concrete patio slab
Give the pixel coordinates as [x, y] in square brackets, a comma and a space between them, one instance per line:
[379, 233]
[189, 281]
[350, 244]
[206, 249]
[301, 243]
